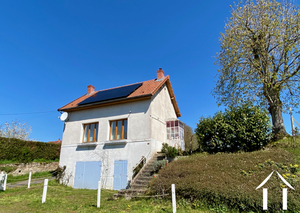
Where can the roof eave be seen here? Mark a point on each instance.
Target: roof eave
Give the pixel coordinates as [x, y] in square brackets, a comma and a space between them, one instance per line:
[171, 93]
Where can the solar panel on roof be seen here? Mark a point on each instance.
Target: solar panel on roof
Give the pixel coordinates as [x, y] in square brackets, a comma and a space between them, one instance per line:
[110, 94]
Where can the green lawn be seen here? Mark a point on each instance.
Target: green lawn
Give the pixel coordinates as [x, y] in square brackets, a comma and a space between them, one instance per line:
[7, 161]
[41, 160]
[65, 199]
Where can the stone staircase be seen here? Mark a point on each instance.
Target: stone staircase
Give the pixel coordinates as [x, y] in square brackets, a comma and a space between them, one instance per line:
[139, 184]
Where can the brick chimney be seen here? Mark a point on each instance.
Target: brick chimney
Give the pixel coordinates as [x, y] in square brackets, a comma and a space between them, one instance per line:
[160, 74]
[90, 89]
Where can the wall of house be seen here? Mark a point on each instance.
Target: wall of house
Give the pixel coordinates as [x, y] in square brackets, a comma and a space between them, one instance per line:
[137, 144]
[161, 109]
[137, 114]
[146, 133]
[107, 154]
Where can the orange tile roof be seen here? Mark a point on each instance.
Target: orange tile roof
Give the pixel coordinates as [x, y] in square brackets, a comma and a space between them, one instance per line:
[55, 142]
[147, 89]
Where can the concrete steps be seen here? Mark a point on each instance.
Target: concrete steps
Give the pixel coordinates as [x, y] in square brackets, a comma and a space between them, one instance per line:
[139, 186]
[146, 178]
[128, 193]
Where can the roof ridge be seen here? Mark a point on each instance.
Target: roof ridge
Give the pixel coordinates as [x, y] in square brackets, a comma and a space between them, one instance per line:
[122, 86]
[162, 82]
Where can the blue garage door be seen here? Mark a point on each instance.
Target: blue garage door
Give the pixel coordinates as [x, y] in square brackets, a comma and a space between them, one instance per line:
[87, 174]
[120, 174]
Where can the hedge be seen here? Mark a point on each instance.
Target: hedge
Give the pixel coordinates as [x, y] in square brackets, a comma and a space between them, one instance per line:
[27, 151]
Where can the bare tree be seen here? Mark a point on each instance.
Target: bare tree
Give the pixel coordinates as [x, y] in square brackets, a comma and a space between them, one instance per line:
[15, 129]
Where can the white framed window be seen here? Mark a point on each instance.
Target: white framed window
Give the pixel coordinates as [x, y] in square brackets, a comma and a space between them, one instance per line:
[175, 130]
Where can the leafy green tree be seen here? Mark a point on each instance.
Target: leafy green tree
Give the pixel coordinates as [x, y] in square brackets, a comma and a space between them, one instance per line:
[243, 127]
[260, 59]
[190, 139]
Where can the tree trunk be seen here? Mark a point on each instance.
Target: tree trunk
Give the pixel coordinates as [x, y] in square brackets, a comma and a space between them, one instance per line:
[275, 109]
[277, 120]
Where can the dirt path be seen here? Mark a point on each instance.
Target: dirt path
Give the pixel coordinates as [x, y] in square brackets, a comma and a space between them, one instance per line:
[25, 182]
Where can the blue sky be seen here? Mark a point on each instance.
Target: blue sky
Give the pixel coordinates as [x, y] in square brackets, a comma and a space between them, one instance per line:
[51, 50]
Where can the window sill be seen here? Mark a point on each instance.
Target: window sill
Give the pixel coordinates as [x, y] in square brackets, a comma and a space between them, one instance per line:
[116, 142]
[88, 144]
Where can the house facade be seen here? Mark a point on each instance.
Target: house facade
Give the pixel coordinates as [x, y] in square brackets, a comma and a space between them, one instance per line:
[108, 132]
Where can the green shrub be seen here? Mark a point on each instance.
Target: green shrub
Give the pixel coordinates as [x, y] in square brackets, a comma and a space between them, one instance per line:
[170, 151]
[231, 180]
[8, 169]
[159, 165]
[59, 173]
[244, 128]
[17, 150]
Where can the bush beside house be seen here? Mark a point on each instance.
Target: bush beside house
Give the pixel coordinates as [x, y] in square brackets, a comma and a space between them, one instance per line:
[242, 128]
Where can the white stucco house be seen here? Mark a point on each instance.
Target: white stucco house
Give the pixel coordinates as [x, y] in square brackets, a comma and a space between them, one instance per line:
[107, 132]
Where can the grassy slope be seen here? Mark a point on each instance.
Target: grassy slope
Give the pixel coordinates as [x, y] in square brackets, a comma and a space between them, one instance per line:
[65, 199]
[210, 171]
[232, 178]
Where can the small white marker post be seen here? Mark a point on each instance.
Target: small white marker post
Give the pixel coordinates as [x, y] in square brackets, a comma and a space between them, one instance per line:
[1, 177]
[99, 194]
[5, 181]
[45, 191]
[29, 180]
[173, 198]
[265, 199]
[284, 199]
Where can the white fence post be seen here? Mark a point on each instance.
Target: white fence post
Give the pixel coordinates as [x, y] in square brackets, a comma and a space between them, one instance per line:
[99, 194]
[5, 181]
[45, 191]
[265, 199]
[29, 180]
[173, 198]
[1, 178]
[284, 199]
